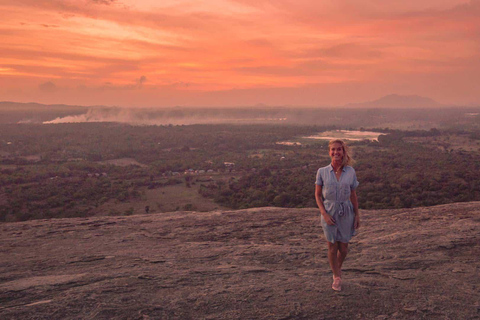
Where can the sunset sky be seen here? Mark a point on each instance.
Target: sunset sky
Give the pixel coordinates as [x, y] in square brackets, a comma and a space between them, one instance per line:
[144, 53]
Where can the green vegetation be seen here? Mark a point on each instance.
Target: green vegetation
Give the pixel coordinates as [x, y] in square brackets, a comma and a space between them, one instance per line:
[392, 175]
[68, 170]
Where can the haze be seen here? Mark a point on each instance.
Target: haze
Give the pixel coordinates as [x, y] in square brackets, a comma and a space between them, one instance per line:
[241, 52]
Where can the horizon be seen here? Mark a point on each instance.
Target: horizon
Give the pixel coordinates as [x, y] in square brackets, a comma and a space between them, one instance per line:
[358, 105]
[238, 53]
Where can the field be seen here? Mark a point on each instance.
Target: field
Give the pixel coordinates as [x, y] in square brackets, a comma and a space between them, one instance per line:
[167, 199]
[124, 162]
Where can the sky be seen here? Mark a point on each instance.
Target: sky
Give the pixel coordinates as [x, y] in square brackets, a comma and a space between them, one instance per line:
[225, 53]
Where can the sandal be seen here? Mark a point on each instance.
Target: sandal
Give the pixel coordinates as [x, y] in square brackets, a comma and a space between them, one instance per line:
[337, 283]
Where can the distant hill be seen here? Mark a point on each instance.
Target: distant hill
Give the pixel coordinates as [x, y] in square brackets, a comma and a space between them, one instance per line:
[9, 105]
[398, 101]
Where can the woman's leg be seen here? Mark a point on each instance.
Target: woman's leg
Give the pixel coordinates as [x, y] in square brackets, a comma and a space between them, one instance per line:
[333, 259]
[341, 254]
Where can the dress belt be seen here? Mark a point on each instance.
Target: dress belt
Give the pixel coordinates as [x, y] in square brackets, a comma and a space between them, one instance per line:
[339, 207]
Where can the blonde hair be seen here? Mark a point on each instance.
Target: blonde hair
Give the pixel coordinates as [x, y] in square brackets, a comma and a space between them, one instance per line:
[347, 157]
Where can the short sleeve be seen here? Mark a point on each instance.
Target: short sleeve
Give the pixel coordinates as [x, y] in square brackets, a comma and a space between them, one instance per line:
[319, 181]
[355, 182]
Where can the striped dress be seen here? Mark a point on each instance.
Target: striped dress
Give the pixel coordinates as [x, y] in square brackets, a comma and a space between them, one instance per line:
[336, 199]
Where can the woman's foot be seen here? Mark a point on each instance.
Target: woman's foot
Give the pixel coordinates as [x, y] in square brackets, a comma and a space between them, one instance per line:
[337, 283]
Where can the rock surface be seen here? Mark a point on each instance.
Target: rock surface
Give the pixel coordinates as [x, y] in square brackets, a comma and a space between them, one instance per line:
[263, 263]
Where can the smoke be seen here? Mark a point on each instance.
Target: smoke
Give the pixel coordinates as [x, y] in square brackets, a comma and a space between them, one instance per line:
[379, 118]
[121, 115]
[175, 116]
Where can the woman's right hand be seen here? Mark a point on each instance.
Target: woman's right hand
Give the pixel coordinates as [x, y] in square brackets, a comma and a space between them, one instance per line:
[329, 219]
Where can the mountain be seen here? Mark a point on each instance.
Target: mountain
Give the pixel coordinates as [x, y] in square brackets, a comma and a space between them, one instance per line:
[260, 263]
[395, 101]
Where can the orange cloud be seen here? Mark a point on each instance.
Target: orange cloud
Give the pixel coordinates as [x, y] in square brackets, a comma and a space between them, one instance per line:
[203, 53]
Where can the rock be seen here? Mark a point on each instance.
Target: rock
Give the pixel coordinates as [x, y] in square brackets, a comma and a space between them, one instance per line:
[216, 266]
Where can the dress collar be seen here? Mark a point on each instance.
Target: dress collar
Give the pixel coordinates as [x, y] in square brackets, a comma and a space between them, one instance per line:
[331, 167]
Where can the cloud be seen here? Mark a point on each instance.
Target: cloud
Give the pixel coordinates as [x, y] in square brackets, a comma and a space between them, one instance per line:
[109, 86]
[141, 81]
[212, 46]
[47, 87]
[105, 2]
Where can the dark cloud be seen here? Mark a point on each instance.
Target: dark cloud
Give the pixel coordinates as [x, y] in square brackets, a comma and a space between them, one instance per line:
[180, 84]
[105, 2]
[141, 81]
[137, 85]
[47, 87]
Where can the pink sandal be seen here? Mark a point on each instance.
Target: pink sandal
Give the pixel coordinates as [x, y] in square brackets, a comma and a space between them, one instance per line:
[337, 283]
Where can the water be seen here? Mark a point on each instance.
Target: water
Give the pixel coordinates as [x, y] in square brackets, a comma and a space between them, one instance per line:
[352, 135]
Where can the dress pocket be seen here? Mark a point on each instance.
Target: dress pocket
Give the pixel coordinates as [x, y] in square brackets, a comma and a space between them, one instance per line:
[345, 190]
[330, 191]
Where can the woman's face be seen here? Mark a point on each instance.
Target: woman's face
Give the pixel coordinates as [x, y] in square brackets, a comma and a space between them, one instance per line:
[336, 152]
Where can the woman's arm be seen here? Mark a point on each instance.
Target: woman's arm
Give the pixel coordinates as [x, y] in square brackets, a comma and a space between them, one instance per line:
[318, 196]
[354, 200]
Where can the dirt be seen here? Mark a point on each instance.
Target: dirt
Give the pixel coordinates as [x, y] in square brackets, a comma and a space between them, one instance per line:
[262, 263]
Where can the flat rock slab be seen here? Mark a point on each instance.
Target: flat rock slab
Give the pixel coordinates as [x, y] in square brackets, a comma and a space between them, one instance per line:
[262, 263]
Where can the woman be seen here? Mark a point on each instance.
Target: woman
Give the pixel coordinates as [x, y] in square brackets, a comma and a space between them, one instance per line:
[337, 200]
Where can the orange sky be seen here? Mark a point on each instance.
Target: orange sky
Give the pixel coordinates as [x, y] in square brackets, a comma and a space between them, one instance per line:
[238, 52]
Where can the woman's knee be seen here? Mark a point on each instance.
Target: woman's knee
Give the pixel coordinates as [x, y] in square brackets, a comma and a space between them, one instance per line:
[332, 246]
[343, 248]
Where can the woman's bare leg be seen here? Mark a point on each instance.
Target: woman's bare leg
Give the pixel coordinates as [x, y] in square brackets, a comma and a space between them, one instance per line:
[333, 259]
[341, 255]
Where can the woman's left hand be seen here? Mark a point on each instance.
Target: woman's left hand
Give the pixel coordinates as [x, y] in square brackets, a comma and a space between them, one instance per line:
[354, 199]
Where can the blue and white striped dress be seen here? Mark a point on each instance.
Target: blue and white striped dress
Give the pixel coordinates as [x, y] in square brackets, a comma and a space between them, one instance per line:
[336, 199]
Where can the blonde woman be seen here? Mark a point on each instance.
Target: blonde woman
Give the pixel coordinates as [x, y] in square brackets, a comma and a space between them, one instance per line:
[337, 200]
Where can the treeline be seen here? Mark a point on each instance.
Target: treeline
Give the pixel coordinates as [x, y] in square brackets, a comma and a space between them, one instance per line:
[70, 189]
[161, 146]
[392, 175]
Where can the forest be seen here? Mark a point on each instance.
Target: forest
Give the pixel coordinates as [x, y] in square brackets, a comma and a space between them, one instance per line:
[392, 174]
[69, 170]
